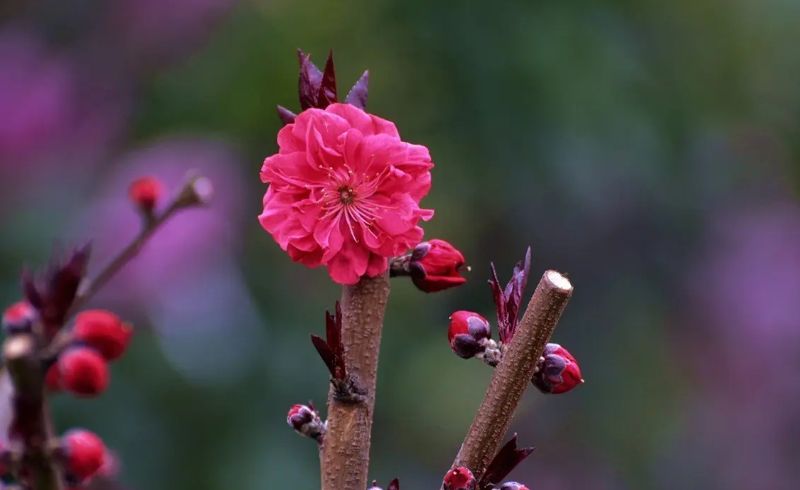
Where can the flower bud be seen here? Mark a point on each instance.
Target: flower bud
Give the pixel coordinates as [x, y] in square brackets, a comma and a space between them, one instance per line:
[305, 421]
[468, 333]
[84, 372]
[103, 331]
[52, 380]
[374, 486]
[145, 193]
[557, 371]
[459, 478]
[85, 453]
[435, 266]
[19, 317]
[512, 485]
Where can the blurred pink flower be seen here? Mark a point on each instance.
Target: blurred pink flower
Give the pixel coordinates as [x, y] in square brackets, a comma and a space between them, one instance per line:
[344, 192]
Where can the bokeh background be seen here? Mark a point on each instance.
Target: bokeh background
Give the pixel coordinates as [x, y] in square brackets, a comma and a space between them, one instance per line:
[648, 148]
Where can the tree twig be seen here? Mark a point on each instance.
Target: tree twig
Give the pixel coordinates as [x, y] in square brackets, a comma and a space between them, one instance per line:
[514, 372]
[345, 450]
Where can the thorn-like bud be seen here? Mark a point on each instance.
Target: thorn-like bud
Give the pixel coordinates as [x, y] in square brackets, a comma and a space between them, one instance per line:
[19, 317]
[144, 193]
[83, 371]
[306, 422]
[85, 453]
[469, 334]
[104, 332]
[459, 478]
[435, 265]
[511, 485]
[557, 371]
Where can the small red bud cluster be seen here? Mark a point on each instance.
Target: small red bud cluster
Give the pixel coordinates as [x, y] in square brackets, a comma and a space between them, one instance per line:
[98, 337]
[84, 455]
[557, 371]
[470, 336]
[512, 485]
[304, 419]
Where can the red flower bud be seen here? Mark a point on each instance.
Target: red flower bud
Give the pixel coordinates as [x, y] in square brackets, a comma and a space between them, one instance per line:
[459, 478]
[435, 266]
[52, 380]
[84, 372]
[374, 486]
[512, 485]
[144, 193]
[469, 333]
[557, 371]
[19, 317]
[305, 421]
[103, 331]
[85, 453]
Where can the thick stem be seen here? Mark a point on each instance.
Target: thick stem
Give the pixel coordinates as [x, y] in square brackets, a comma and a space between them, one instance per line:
[345, 449]
[31, 430]
[514, 372]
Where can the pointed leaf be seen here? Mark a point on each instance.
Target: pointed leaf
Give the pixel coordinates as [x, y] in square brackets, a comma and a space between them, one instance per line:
[358, 94]
[324, 353]
[286, 116]
[310, 79]
[504, 462]
[333, 332]
[499, 304]
[327, 87]
[394, 484]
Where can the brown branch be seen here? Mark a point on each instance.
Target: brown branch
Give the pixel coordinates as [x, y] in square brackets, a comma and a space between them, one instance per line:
[31, 430]
[514, 372]
[345, 450]
[194, 192]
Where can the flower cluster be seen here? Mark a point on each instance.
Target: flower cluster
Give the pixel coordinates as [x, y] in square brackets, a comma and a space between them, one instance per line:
[470, 336]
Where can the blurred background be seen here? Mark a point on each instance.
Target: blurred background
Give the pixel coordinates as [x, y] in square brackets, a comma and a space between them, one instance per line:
[648, 148]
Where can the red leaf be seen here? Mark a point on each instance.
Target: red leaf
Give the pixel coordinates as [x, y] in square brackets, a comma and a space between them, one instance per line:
[310, 79]
[327, 87]
[499, 304]
[504, 462]
[358, 94]
[287, 116]
[324, 353]
[394, 484]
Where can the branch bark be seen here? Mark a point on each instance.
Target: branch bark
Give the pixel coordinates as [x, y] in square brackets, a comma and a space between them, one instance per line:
[514, 373]
[345, 450]
[31, 430]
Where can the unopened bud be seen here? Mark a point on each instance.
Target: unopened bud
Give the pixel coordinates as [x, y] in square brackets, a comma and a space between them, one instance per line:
[306, 422]
[469, 333]
[511, 485]
[19, 317]
[557, 371]
[435, 265]
[459, 478]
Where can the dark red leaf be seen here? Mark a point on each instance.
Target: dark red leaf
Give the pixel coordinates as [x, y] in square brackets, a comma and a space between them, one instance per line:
[499, 304]
[287, 116]
[310, 79]
[504, 462]
[327, 87]
[514, 291]
[358, 94]
[394, 484]
[333, 332]
[324, 353]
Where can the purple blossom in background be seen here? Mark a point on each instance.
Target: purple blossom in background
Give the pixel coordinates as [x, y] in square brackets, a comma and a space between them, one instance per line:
[186, 281]
[35, 96]
[162, 30]
[747, 287]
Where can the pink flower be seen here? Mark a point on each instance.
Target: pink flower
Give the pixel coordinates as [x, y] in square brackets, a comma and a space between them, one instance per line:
[344, 192]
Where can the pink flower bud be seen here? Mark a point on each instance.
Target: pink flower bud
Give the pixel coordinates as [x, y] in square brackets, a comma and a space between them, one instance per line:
[468, 333]
[557, 371]
[512, 485]
[145, 193]
[459, 478]
[305, 421]
[19, 317]
[435, 266]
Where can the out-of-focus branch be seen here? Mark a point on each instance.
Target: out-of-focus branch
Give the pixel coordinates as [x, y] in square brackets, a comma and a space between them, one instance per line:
[31, 432]
[514, 372]
[345, 449]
